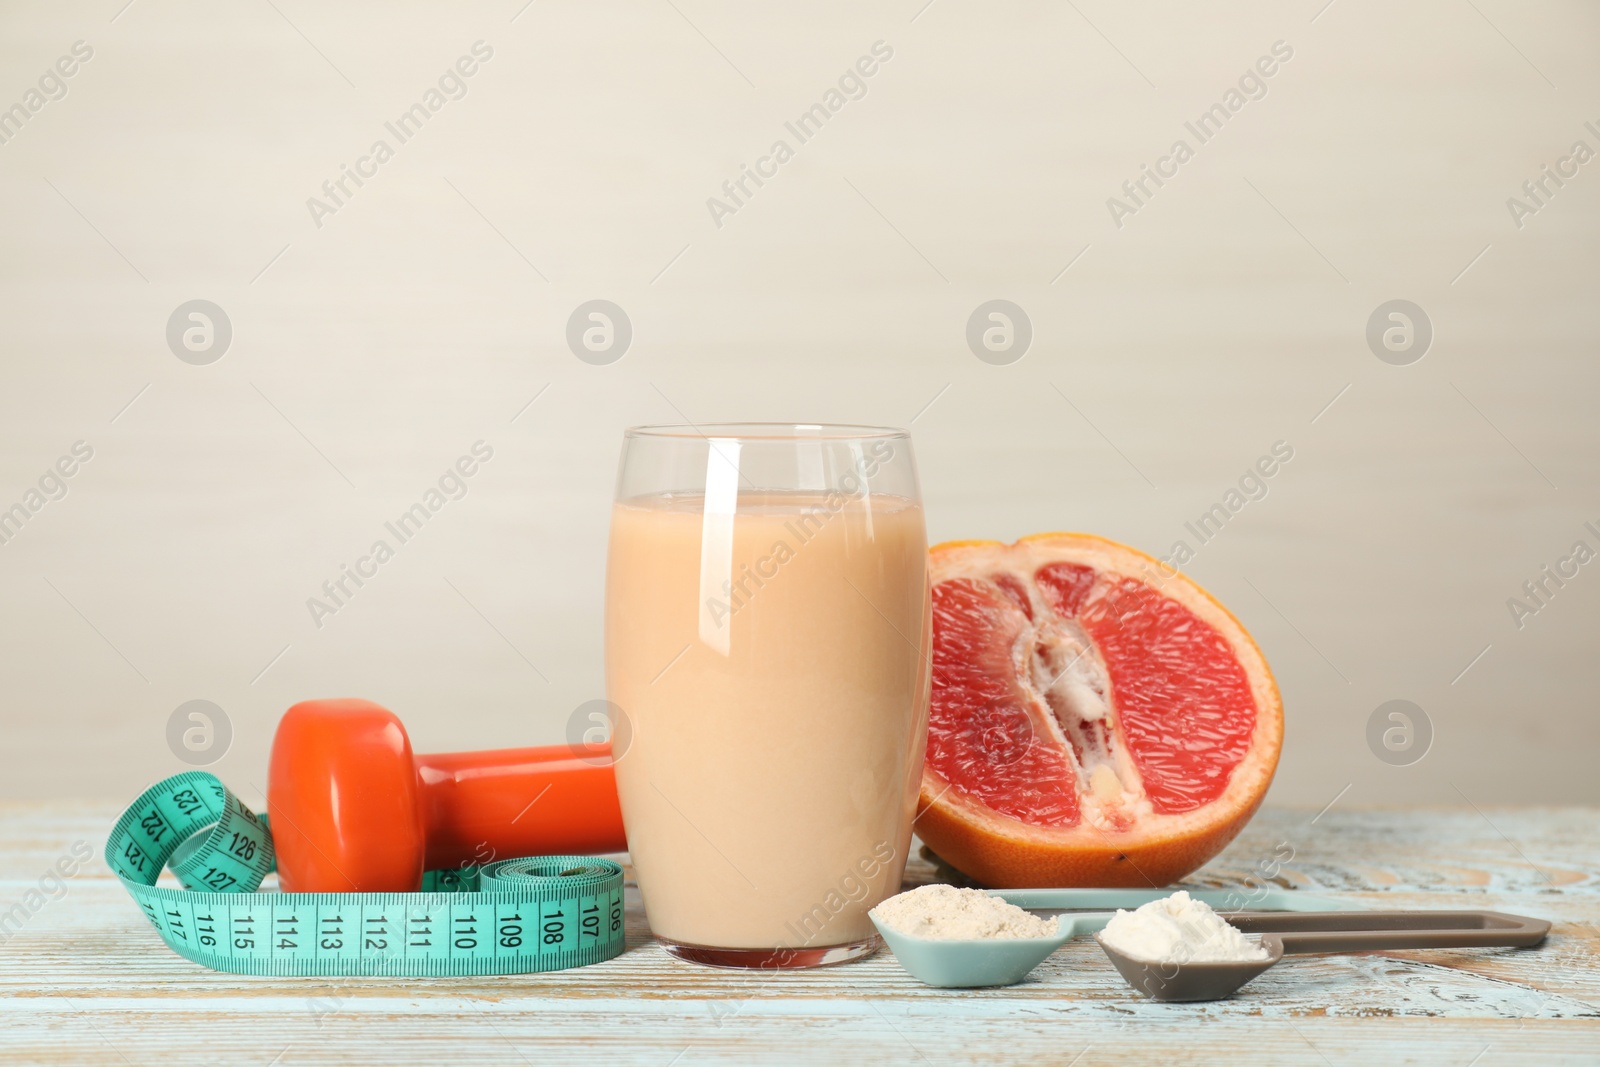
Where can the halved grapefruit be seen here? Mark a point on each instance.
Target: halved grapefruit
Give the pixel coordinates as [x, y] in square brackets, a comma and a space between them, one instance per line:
[1097, 718]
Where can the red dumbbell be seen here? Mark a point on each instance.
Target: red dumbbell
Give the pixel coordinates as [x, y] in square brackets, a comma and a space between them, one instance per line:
[353, 810]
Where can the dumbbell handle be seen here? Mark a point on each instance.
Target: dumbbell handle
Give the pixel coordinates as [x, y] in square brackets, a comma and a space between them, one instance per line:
[503, 803]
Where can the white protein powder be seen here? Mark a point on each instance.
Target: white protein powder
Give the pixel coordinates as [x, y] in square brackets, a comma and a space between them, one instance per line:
[945, 913]
[1178, 929]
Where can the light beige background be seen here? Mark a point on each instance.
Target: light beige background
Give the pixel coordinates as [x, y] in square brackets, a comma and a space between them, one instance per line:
[1226, 315]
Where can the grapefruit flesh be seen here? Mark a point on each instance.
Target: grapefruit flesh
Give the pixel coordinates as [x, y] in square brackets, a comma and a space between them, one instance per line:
[1097, 718]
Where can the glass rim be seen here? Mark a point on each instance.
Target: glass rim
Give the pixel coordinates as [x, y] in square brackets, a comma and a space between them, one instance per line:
[772, 431]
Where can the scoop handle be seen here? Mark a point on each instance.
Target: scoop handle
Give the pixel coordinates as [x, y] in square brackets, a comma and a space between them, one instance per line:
[1357, 931]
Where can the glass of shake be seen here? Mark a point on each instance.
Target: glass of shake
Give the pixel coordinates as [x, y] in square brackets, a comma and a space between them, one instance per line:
[767, 656]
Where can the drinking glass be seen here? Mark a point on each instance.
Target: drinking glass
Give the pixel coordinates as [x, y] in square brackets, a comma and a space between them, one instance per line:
[767, 658]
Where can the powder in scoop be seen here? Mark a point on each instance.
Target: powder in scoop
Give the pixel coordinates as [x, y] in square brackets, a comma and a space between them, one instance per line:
[945, 913]
[1178, 929]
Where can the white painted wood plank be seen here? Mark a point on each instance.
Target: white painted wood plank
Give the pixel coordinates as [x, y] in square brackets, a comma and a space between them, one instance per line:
[86, 974]
[867, 1036]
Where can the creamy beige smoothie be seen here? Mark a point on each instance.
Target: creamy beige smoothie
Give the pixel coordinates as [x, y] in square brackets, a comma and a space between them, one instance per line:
[770, 661]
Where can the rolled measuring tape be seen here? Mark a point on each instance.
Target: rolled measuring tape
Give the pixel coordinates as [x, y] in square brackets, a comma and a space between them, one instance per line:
[514, 916]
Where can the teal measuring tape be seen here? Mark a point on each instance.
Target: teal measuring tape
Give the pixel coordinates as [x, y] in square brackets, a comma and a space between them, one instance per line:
[511, 917]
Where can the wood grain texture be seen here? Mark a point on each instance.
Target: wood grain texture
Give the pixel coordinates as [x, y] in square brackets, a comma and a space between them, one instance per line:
[86, 981]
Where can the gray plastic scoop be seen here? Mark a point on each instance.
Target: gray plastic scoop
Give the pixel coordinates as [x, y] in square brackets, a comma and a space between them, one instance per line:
[1306, 932]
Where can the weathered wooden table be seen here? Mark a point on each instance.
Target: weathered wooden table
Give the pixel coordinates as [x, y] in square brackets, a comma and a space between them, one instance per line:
[85, 979]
